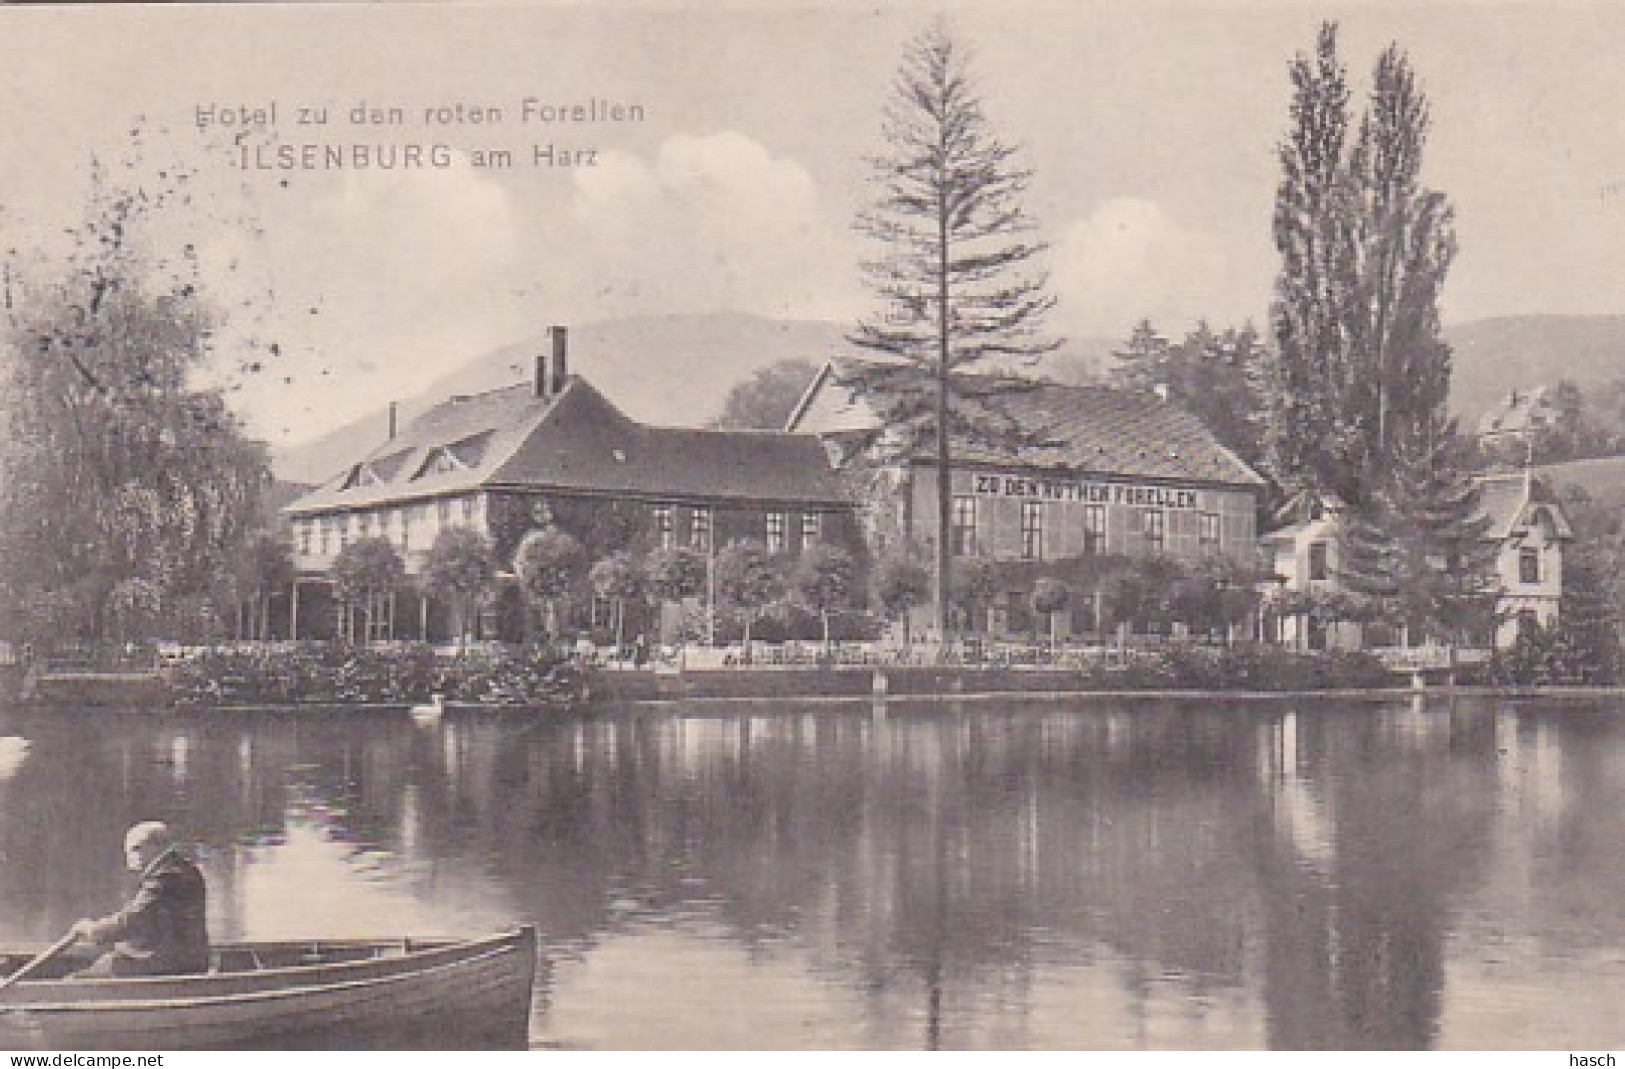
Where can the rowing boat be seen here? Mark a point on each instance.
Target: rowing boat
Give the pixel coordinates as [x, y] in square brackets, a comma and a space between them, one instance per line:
[401, 994]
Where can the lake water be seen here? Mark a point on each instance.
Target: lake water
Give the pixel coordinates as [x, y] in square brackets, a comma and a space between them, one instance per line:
[982, 874]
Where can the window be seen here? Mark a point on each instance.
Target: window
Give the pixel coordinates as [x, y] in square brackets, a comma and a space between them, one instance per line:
[699, 529]
[775, 532]
[1153, 525]
[304, 537]
[343, 523]
[964, 529]
[443, 512]
[664, 530]
[811, 525]
[1094, 529]
[1318, 568]
[1032, 530]
[364, 525]
[324, 533]
[405, 520]
[1528, 565]
[470, 504]
[1207, 531]
[440, 461]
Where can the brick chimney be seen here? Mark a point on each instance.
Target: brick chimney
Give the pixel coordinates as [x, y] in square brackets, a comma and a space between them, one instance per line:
[553, 368]
[392, 420]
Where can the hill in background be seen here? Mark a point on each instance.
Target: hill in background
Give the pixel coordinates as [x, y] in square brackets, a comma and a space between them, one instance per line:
[676, 370]
[1495, 356]
[664, 370]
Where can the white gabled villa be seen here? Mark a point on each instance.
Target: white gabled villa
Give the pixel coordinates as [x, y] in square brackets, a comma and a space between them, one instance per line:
[1525, 521]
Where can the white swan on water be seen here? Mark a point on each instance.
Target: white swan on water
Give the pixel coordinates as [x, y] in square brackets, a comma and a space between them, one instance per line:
[13, 750]
[428, 714]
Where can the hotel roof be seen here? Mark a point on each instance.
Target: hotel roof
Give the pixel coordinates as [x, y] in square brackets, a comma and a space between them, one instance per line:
[1095, 430]
[575, 441]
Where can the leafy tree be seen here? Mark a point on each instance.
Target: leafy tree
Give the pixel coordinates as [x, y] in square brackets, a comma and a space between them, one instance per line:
[675, 573]
[548, 563]
[1360, 367]
[821, 581]
[460, 569]
[765, 400]
[748, 582]
[1138, 592]
[134, 606]
[1405, 242]
[266, 565]
[901, 582]
[1217, 593]
[116, 469]
[617, 578]
[975, 585]
[960, 303]
[1050, 596]
[1311, 226]
[365, 572]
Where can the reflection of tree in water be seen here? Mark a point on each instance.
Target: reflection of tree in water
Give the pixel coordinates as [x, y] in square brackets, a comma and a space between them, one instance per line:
[1354, 948]
[927, 858]
[939, 862]
[1562, 825]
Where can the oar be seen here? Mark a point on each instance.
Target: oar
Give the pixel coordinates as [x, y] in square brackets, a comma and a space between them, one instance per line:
[41, 959]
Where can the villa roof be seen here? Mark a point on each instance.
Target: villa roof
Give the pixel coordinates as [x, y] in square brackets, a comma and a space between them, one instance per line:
[1515, 500]
[1093, 430]
[1510, 501]
[575, 441]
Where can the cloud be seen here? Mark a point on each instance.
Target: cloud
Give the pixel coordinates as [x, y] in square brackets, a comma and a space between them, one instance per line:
[711, 222]
[381, 282]
[1130, 259]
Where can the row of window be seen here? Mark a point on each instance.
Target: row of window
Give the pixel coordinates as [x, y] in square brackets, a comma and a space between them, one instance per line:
[1034, 519]
[776, 527]
[327, 535]
[1528, 563]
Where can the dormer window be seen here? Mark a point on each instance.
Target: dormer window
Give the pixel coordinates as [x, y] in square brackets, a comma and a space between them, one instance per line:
[440, 461]
[361, 475]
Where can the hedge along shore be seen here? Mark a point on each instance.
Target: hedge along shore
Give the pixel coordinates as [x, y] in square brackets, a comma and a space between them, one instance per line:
[343, 679]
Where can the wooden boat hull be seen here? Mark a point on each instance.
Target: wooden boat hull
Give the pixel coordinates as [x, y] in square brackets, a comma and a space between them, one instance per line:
[441, 995]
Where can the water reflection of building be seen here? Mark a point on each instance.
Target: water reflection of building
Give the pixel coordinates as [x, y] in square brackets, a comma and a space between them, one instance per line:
[1152, 875]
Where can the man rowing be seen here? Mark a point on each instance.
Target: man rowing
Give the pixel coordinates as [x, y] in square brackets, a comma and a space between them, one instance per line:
[162, 930]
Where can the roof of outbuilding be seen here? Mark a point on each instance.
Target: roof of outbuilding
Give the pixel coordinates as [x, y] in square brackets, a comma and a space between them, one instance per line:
[1094, 430]
[576, 441]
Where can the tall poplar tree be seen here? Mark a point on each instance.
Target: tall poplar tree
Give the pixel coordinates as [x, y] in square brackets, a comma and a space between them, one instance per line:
[1312, 233]
[1360, 367]
[961, 304]
[1405, 243]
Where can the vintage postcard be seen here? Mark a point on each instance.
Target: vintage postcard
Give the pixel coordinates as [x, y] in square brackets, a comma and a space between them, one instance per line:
[685, 526]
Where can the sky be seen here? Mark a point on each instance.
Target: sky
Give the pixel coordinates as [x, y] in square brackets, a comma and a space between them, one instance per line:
[1151, 130]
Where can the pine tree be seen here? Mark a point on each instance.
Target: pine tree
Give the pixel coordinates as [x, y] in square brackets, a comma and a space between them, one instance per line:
[1419, 547]
[1142, 362]
[961, 305]
[1587, 621]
